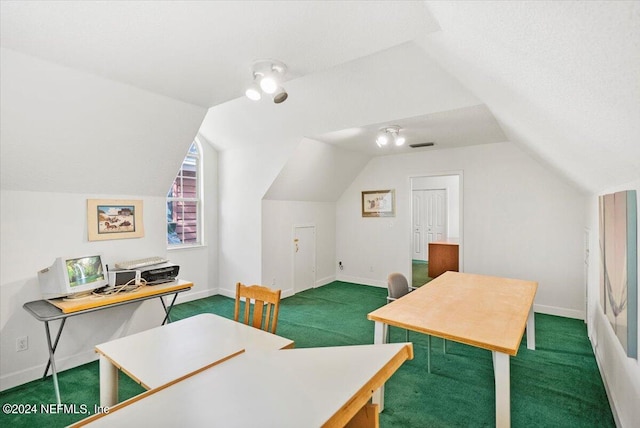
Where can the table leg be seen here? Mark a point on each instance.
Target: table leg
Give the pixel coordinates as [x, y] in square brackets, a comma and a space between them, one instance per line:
[379, 337]
[429, 353]
[108, 383]
[52, 361]
[531, 330]
[167, 310]
[503, 389]
[55, 344]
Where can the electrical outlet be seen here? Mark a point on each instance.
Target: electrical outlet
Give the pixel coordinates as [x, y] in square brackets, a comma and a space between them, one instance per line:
[22, 343]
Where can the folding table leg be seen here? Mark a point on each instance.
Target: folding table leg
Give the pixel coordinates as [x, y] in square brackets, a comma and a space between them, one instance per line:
[167, 310]
[52, 360]
[55, 344]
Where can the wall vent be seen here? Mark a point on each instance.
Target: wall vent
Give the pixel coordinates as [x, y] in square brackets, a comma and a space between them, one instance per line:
[418, 145]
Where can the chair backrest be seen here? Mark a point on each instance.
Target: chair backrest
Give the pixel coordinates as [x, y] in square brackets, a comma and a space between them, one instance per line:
[398, 285]
[261, 297]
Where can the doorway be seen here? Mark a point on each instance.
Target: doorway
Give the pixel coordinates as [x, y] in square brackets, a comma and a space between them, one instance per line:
[436, 215]
[304, 257]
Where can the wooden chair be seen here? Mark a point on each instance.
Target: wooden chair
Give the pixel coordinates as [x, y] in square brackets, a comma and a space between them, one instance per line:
[261, 297]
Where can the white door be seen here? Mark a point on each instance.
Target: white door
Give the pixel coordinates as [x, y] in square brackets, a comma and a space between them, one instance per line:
[418, 250]
[304, 258]
[429, 220]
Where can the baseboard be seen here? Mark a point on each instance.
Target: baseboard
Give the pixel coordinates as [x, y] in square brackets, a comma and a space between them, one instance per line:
[195, 295]
[32, 373]
[362, 281]
[324, 281]
[561, 312]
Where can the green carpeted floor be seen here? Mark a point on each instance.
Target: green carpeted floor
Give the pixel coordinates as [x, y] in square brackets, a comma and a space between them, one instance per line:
[557, 385]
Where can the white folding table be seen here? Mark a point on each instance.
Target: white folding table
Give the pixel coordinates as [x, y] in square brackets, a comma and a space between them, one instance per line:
[169, 353]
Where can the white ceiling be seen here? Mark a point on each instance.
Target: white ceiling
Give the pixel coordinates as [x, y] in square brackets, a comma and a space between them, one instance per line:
[201, 52]
[447, 129]
[560, 79]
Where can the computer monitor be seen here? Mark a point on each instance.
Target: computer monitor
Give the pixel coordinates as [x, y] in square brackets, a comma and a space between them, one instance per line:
[72, 277]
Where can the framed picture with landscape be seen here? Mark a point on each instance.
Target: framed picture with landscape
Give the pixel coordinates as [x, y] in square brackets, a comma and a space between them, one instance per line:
[114, 219]
[378, 203]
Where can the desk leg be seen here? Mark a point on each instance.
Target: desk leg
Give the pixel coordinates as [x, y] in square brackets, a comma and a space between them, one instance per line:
[52, 360]
[167, 310]
[108, 383]
[531, 330]
[55, 344]
[503, 389]
[379, 337]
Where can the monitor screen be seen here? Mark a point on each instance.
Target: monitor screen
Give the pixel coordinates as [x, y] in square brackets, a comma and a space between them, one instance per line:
[84, 270]
[72, 276]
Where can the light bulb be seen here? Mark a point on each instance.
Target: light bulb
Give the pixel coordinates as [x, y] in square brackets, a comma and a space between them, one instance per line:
[253, 92]
[269, 84]
[382, 140]
[400, 140]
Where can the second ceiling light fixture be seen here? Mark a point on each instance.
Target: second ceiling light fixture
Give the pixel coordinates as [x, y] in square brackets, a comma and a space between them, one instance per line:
[390, 134]
[267, 79]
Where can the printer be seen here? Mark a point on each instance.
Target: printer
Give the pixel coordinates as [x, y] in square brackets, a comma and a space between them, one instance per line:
[158, 274]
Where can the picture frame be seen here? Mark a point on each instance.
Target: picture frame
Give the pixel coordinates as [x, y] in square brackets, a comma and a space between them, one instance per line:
[378, 203]
[114, 219]
[618, 229]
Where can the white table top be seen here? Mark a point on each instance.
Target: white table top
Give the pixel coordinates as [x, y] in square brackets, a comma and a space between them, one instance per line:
[286, 388]
[167, 353]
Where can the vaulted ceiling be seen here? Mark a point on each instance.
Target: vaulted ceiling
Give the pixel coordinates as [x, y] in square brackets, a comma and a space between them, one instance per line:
[560, 79]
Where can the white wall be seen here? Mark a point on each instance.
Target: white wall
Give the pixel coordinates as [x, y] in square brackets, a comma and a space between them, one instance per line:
[621, 374]
[520, 220]
[68, 136]
[278, 221]
[36, 228]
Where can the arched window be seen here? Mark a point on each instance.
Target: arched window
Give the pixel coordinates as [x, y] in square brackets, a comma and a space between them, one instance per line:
[184, 202]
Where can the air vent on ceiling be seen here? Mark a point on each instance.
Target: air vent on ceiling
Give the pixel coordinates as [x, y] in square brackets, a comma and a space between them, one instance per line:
[418, 145]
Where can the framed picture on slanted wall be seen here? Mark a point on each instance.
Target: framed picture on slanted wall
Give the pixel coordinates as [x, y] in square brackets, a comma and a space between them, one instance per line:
[379, 203]
[619, 266]
[114, 219]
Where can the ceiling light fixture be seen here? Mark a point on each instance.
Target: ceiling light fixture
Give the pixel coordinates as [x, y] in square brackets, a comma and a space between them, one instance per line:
[267, 78]
[390, 134]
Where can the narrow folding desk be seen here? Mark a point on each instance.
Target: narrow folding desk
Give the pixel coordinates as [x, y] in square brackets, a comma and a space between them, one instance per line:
[295, 388]
[171, 352]
[484, 311]
[59, 309]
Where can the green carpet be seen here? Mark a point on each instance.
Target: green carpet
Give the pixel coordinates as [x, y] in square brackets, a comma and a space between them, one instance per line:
[556, 385]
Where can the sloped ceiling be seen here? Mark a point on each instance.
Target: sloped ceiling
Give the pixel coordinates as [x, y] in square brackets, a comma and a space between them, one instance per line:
[560, 79]
[201, 52]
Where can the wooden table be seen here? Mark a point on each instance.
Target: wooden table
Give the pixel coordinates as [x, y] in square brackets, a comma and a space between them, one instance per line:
[483, 311]
[167, 354]
[309, 387]
[60, 309]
